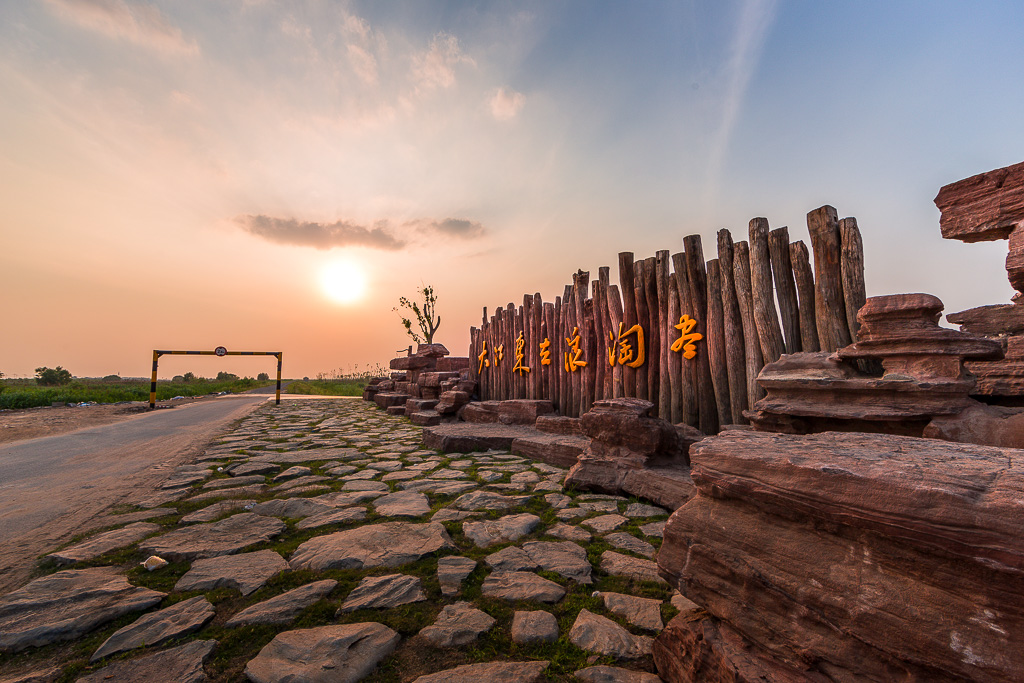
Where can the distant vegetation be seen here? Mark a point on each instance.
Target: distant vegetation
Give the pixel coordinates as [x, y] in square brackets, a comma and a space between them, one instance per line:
[32, 393]
[337, 382]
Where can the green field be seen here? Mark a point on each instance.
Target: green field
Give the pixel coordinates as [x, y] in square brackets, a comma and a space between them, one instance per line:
[25, 393]
[329, 387]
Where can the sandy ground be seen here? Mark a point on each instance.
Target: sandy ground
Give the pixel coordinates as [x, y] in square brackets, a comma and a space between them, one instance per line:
[31, 423]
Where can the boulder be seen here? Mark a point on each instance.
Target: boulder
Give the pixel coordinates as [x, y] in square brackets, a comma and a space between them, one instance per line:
[451, 401]
[511, 412]
[463, 437]
[555, 449]
[851, 556]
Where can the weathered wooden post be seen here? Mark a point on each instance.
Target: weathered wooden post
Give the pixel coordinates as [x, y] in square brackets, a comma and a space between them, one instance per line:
[604, 277]
[852, 268]
[665, 383]
[690, 403]
[785, 287]
[716, 343]
[627, 290]
[769, 333]
[801, 261]
[651, 334]
[643, 318]
[751, 344]
[707, 411]
[615, 318]
[675, 360]
[735, 353]
[829, 303]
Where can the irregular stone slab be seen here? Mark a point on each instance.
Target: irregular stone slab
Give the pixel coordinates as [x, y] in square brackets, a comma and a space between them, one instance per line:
[447, 473]
[158, 627]
[341, 470]
[511, 559]
[139, 516]
[302, 484]
[489, 475]
[400, 476]
[303, 490]
[104, 543]
[66, 605]
[248, 468]
[642, 612]
[449, 515]
[485, 500]
[535, 626]
[182, 664]
[624, 541]
[212, 512]
[386, 466]
[594, 633]
[521, 586]
[342, 653]
[390, 544]
[234, 481]
[502, 530]
[333, 516]
[163, 497]
[297, 457]
[683, 603]
[184, 479]
[384, 592]
[634, 510]
[569, 533]
[631, 567]
[525, 478]
[441, 488]
[292, 508]
[340, 499]
[247, 572]
[492, 672]
[548, 485]
[402, 504]
[655, 529]
[458, 624]
[614, 674]
[293, 473]
[282, 609]
[604, 523]
[365, 485]
[363, 474]
[570, 513]
[599, 505]
[452, 571]
[237, 492]
[211, 540]
[564, 558]
[47, 675]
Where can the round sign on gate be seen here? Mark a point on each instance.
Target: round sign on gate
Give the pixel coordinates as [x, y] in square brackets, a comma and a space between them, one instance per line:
[220, 351]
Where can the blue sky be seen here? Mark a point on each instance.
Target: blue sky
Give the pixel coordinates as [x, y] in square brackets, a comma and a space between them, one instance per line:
[200, 163]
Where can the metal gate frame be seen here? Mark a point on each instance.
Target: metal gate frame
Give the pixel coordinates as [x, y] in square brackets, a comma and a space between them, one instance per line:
[220, 351]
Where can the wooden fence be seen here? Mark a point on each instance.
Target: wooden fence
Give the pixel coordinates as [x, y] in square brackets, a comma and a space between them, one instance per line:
[689, 335]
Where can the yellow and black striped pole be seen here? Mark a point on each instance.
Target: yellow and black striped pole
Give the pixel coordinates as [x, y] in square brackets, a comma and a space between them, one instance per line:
[220, 351]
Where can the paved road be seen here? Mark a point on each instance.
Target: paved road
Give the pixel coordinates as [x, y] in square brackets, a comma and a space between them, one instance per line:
[54, 487]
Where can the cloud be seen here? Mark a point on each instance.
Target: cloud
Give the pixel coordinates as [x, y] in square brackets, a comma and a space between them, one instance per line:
[506, 104]
[435, 68]
[451, 227]
[136, 23]
[363, 64]
[319, 235]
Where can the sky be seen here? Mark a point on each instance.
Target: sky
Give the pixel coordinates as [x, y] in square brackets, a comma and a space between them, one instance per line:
[181, 175]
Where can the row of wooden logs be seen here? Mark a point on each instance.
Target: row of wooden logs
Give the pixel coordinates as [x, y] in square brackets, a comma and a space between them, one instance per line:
[732, 298]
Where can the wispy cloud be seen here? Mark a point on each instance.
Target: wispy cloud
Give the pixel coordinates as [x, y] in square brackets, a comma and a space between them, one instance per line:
[505, 104]
[380, 235]
[755, 20]
[138, 23]
[319, 235]
[435, 68]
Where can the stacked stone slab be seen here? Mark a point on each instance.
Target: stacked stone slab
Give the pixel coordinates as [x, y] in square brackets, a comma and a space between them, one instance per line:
[990, 206]
[418, 383]
[922, 375]
[842, 557]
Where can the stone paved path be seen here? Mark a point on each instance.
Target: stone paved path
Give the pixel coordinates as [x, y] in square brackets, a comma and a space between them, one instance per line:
[356, 554]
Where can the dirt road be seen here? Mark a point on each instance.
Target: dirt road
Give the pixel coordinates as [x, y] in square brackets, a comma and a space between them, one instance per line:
[54, 487]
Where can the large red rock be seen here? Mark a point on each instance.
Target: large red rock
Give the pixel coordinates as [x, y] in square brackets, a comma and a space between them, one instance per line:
[857, 556]
[981, 424]
[511, 412]
[990, 320]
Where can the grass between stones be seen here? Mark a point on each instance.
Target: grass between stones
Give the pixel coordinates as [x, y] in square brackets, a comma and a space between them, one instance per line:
[372, 431]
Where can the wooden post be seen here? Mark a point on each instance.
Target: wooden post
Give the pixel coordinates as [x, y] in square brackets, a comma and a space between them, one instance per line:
[555, 333]
[651, 334]
[509, 349]
[769, 333]
[614, 318]
[550, 390]
[707, 411]
[643, 318]
[785, 288]
[690, 403]
[735, 353]
[675, 365]
[604, 277]
[522, 379]
[801, 261]
[716, 343]
[535, 340]
[588, 374]
[751, 344]
[664, 381]
[628, 293]
[580, 383]
[852, 267]
[829, 304]
[595, 364]
[569, 310]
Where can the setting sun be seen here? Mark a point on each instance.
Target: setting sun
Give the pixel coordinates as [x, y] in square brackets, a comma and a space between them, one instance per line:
[343, 282]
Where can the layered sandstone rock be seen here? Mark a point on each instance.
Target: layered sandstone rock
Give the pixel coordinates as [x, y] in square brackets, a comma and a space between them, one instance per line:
[423, 376]
[922, 374]
[634, 453]
[840, 557]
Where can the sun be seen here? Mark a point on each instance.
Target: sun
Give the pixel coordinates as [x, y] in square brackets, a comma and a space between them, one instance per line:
[343, 282]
